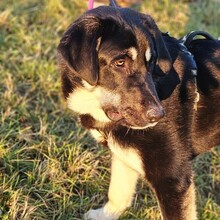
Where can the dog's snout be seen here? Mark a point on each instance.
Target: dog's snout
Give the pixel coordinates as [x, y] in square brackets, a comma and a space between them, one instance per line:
[154, 115]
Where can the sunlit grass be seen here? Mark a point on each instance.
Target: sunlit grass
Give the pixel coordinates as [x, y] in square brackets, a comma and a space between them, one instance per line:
[50, 168]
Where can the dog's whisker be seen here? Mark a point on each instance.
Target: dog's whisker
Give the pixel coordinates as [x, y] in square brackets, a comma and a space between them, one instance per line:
[128, 129]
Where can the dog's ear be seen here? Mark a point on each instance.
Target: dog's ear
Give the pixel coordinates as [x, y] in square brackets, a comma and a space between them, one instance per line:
[78, 47]
[163, 57]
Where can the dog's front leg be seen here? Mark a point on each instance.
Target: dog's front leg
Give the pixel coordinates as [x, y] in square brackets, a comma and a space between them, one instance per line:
[121, 190]
[177, 202]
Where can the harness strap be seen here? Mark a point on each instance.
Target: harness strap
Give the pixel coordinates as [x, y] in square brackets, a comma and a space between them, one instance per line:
[191, 65]
[187, 39]
[184, 45]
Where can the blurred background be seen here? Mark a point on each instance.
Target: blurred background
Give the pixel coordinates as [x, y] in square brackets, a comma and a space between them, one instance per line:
[50, 168]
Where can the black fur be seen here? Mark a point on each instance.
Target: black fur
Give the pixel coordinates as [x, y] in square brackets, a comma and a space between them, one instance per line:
[165, 81]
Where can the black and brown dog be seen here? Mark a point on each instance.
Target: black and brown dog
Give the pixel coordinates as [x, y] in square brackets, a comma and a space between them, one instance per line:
[134, 89]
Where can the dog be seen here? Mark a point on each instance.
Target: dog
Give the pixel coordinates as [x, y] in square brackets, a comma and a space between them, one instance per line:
[153, 101]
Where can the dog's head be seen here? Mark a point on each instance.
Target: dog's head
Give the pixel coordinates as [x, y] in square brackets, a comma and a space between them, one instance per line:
[113, 51]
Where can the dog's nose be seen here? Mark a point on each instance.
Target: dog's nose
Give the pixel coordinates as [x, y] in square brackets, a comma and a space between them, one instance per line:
[154, 115]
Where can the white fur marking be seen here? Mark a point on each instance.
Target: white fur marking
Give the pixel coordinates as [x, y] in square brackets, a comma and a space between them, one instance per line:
[107, 97]
[83, 101]
[127, 155]
[87, 85]
[97, 135]
[189, 204]
[120, 192]
[133, 53]
[99, 214]
[148, 54]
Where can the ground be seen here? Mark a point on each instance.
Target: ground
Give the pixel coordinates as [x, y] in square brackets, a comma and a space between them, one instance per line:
[50, 168]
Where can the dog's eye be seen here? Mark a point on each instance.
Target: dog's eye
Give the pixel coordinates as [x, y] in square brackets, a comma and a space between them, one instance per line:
[120, 63]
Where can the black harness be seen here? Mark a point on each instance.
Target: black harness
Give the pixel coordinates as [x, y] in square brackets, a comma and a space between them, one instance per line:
[184, 44]
[190, 36]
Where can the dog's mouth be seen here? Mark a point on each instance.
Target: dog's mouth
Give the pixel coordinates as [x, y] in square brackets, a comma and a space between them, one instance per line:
[149, 125]
[114, 114]
[133, 119]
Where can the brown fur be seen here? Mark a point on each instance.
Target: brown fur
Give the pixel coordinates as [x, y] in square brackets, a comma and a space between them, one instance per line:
[95, 49]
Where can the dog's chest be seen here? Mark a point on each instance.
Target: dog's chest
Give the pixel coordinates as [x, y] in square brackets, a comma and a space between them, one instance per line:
[127, 154]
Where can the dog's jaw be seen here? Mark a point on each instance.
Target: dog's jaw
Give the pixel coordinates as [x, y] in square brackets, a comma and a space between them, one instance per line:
[90, 101]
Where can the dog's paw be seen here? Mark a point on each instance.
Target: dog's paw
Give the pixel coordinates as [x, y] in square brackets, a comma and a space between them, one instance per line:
[98, 214]
[93, 214]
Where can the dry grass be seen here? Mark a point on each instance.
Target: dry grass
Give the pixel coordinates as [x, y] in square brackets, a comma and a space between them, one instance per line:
[49, 167]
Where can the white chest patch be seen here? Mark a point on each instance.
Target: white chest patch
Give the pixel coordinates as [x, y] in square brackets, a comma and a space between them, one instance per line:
[127, 155]
[97, 135]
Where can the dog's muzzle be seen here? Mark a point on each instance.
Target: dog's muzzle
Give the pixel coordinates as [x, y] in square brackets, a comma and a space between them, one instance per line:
[136, 119]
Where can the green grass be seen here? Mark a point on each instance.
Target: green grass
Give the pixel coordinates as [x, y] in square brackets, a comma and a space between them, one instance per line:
[50, 168]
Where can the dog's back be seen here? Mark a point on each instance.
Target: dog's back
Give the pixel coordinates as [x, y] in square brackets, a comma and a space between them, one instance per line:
[206, 130]
[195, 97]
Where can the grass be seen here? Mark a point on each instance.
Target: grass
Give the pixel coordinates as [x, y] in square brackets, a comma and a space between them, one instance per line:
[50, 168]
